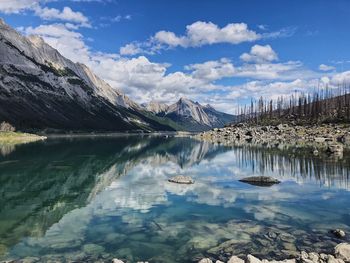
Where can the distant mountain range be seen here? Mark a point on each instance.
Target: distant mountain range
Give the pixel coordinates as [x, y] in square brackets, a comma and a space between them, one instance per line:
[191, 115]
[42, 90]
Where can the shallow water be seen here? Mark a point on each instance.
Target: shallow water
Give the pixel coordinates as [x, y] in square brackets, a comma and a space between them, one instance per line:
[101, 198]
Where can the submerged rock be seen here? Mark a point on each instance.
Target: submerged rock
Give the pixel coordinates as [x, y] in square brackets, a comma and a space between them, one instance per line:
[181, 179]
[260, 180]
[338, 233]
[115, 260]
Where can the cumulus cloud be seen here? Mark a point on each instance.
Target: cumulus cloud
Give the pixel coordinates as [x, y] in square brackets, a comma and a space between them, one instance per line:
[67, 14]
[130, 49]
[202, 33]
[17, 6]
[341, 78]
[206, 33]
[199, 34]
[212, 70]
[260, 54]
[324, 67]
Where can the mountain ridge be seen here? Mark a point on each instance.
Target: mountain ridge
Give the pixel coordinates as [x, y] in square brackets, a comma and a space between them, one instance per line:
[40, 90]
[191, 115]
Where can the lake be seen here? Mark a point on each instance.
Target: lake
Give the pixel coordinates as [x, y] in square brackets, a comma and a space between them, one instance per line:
[90, 199]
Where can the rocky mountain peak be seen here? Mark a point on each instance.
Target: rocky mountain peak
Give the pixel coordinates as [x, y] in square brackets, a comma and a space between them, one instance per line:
[36, 40]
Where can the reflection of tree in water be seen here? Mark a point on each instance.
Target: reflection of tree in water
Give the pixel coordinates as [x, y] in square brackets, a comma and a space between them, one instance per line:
[6, 149]
[296, 162]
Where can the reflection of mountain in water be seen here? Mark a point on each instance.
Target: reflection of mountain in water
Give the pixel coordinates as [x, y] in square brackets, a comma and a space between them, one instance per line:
[41, 182]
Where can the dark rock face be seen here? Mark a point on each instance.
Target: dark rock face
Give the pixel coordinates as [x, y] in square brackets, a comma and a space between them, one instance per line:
[260, 180]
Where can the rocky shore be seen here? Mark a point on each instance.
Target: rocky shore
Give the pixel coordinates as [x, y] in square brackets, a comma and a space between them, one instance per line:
[341, 255]
[332, 138]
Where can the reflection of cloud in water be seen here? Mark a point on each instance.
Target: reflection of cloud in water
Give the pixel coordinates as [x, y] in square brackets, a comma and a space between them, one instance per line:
[124, 190]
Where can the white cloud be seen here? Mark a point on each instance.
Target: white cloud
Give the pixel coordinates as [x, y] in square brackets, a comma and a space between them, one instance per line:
[212, 70]
[202, 33]
[67, 14]
[130, 49]
[260, 54]
[324, 67]
[206, 33]
[17, 6]
[199, 34]
[341, 78]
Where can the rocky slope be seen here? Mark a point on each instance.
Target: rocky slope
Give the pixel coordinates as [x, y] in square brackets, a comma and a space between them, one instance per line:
[191, 115]
[341, 255]
[40, 89]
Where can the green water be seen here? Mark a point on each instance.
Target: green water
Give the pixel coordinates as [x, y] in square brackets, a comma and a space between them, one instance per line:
[90, 199]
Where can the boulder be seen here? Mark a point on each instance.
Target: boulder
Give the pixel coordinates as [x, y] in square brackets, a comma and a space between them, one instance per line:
[338, 233]
[345, 139]
[115, 260]
[205, 260]
[332, 259]
[319, 139]
[260, 180]
[335, 149]
[252, 259]
[342, 251]
[235, 259]
[181, 179]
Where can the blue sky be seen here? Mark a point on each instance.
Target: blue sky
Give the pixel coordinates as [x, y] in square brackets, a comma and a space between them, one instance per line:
[218, 52]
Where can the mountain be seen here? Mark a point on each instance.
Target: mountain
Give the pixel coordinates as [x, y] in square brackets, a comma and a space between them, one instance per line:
[40, 89]
[191, 115]
[156, 107]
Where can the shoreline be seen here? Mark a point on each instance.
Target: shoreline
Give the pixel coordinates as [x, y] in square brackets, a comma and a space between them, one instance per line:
[14, 138]
[116, 134]
[341, 254]
[329, 138]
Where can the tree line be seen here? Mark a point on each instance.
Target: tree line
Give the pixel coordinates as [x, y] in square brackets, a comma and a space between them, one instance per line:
[320, 106]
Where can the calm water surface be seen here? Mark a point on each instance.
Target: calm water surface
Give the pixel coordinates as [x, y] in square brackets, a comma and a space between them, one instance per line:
[102, 198]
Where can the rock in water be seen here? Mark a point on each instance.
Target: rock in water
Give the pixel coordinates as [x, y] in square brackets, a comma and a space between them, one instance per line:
[180, 179]
[205, 260]
[342, 251]
[260, 180]
[115, 260]
[338, 233]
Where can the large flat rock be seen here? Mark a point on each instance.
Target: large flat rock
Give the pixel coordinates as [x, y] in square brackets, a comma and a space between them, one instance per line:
[260, 180]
